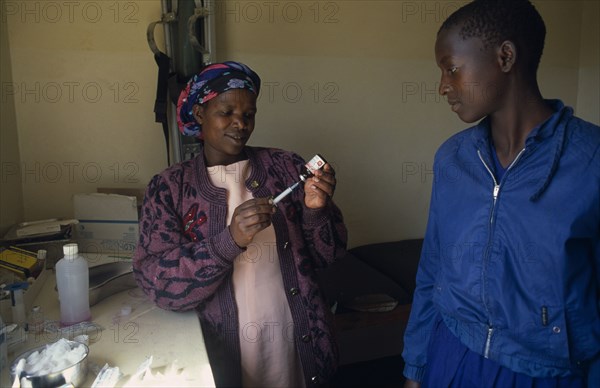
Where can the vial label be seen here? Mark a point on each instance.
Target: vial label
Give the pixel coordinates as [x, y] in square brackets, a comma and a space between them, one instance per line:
[316, 163]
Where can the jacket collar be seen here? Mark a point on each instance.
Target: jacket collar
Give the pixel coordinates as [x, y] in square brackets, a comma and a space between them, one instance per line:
[255, 182]
[553, 130]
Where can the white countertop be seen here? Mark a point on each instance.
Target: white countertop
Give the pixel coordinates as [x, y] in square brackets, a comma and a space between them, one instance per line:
[171, 338]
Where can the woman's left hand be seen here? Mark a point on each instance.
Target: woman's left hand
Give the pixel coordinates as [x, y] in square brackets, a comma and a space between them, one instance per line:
[320, 187]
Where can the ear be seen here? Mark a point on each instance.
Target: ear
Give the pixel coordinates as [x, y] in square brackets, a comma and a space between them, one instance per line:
[507, 55]
[198, 112]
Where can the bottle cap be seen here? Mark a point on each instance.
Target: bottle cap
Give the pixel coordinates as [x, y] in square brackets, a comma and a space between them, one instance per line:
[17, 286]
[70, 249]
[125, 310]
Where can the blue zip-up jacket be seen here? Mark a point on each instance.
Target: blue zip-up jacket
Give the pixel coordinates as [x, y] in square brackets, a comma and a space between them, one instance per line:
[513, 266]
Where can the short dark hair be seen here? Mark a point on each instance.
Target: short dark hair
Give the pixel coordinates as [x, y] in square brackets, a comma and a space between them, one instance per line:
[494, 21]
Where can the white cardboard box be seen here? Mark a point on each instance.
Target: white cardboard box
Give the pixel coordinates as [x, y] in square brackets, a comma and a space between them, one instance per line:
[108, 223]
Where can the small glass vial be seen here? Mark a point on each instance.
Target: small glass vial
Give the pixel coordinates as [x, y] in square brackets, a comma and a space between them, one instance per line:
[36, 320]
[40, 265]
[308, 170]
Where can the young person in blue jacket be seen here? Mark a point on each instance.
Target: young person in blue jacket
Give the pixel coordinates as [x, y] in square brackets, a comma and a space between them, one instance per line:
[509, 278]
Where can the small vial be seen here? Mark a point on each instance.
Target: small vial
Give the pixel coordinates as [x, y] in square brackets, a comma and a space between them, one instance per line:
[41, 259]
[36, 320]
[308, 170]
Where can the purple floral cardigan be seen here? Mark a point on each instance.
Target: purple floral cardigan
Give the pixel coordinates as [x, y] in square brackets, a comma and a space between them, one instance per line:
[184, 258]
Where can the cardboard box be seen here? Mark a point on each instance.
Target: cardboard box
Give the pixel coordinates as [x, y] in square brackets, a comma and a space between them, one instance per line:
[53, 248]
[28, 297]
[19, 261]
[108, 223]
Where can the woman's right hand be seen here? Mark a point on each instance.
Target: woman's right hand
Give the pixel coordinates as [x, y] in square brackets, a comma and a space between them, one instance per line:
[250, 218]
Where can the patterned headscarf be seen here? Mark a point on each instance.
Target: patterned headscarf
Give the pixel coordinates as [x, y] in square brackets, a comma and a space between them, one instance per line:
[212, 81]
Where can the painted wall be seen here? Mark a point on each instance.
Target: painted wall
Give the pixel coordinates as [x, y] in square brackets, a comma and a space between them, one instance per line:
[83, 84]
[11, 198]
[588, 92]
[353, 80]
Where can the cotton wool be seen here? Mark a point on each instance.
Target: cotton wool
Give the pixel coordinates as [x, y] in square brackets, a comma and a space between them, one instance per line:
[54, 358]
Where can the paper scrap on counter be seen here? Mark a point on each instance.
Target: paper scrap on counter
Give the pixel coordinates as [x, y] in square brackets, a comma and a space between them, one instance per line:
[107, 377]
[172, 375]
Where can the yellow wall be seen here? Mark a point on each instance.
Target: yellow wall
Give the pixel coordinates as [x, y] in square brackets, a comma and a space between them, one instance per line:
[588, 93]
[11, 199]
[353, 80]
[84, 85]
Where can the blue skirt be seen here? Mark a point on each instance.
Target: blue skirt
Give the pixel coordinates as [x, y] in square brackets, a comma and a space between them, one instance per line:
[451, 364]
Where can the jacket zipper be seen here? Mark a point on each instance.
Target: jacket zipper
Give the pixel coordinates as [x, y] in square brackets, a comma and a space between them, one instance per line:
[495, 192]
[488, 342]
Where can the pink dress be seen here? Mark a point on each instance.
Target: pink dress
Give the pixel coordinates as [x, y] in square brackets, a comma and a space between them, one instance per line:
[269, 357]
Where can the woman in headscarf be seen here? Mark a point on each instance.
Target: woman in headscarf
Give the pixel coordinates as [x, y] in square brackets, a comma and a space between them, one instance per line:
[212, 240]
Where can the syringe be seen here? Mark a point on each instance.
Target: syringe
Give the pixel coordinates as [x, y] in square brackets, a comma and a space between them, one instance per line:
[316, 163]
[285, 193]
